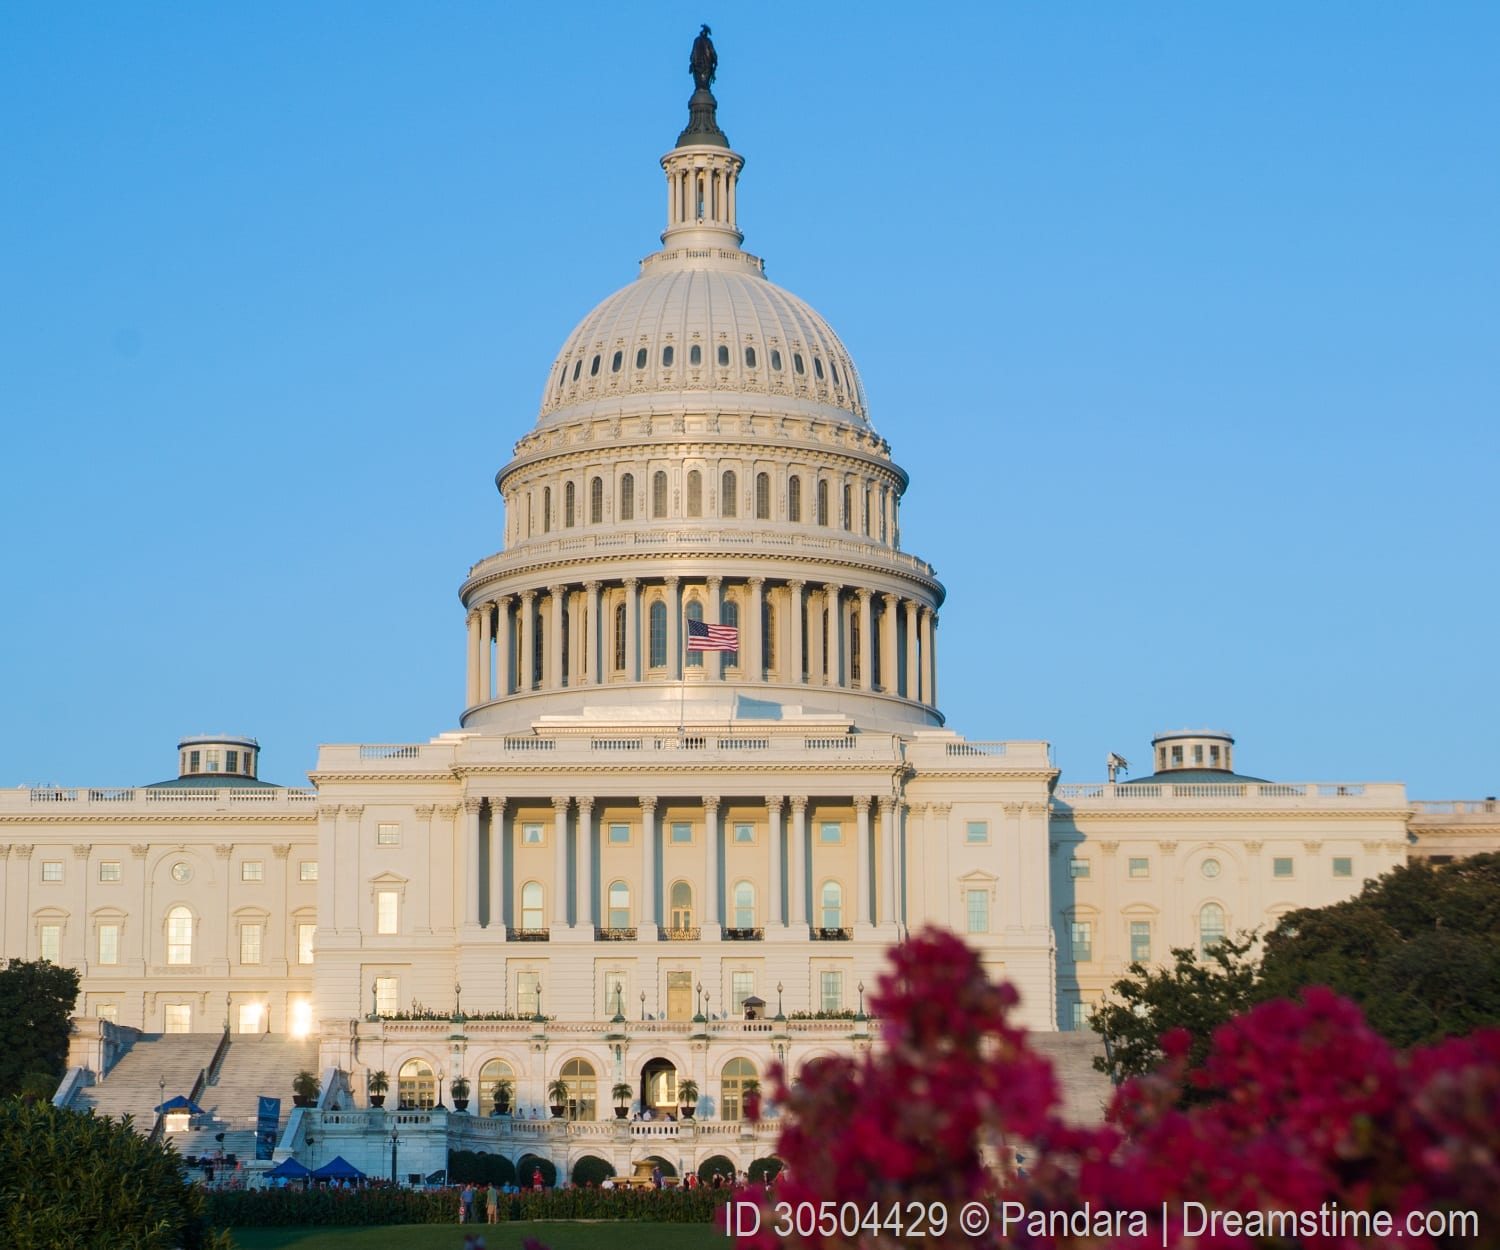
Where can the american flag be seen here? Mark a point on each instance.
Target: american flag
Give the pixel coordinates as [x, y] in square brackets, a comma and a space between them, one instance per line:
[701, 636]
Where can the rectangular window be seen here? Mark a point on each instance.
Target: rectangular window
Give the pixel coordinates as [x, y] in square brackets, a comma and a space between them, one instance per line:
[679, 995]
[109, 870]
[742, 986]
[250, 943]
[108, 1011]
[253, 870]
[829, 831]
[682, 833]
[1281, 867]
[1343, 866]
[1140, 941]
[744, 833]
[305, 942]
[531, 835]
[194, 761]
[385, 911]
[978, 832]
[1079, 1017]
[177, 1018]
[109, 944]
[51, 942]
[614, 993]
[619, 835]
[1083, 941]
[251, 1015]
[1197, 754]
[52, 870]
[231, 761]
[1078, 868]
[830, 991]
[979, 911]
[387, 833]
[385, 996]
[528, 993]
[212, 758]
[307, 870]
[1140, 868]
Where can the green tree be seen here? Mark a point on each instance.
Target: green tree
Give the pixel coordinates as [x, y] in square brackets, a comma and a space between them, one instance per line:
[68, 1179]
[1418, 950]
[36, 999]
[1196, 994]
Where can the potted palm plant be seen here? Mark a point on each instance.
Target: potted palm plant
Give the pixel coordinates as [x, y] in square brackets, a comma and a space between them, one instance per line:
[687, 1097]
[558, 1092]
[750, 1098]
[460, 1087]
[503, 1089]
[622, 1094]
[305, 1089]
[376, 1085]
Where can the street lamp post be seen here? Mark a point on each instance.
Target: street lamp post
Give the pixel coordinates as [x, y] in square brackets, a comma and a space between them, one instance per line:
[395, 1139]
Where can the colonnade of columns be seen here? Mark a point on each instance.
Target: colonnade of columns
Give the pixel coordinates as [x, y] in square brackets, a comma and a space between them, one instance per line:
[820, 634]
[787, 879]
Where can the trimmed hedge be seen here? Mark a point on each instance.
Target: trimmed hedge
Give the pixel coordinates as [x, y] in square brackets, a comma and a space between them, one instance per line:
[481, 1167]
[387, 1204]
[592, 1170]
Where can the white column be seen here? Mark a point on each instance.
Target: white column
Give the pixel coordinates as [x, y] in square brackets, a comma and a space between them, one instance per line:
[560, 862]
[754, 670]
[927, 698]
[574, 600]
[887, 897]
[793, 663]
[714, 659]
[834, 634]
[911, 691]
[595, 661]
[817, 612]
[862, 859]
[554, 637]
[503, 648]
[528, 641]
[471, 862]
[775, 916]
[648, 860]
[476, 668]
[889, 663]
[932, 664]
[674, 628]
[497, 864]
[585, 862]
[711, 868]
[632, 631]
[797, 854]
[866, 639]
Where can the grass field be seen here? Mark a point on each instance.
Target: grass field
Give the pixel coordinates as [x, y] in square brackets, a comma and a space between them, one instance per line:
[558, 1234]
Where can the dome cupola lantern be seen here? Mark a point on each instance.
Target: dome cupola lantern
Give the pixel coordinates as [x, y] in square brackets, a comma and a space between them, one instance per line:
[702, 172]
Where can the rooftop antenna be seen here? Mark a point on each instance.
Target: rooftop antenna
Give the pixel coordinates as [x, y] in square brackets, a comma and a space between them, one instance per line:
[1116, 764]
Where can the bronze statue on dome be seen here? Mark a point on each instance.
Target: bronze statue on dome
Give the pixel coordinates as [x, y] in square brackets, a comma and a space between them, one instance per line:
[704, 61]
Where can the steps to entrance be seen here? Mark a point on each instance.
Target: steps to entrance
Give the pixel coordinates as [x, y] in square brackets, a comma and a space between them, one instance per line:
[157, 1064]
[1085, 1092]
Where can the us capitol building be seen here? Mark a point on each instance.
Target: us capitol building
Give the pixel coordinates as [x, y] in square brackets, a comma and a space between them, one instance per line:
[635, 863]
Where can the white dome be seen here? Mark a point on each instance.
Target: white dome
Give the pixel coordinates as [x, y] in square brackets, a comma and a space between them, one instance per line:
[758, 347]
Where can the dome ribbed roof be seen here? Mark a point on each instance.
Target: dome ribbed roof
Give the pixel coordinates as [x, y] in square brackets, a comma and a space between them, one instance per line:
[759, 346]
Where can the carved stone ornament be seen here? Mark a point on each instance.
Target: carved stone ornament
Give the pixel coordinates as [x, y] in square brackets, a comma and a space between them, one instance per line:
[138, 850]
[81, 850]
[281, 850]
[224, 850]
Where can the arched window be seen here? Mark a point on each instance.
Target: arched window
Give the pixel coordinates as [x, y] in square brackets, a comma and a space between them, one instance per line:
[831, 905]
[723, 356]
[767, 634]
[594, 368]
[729, 614]
[728, 486]
[794, 499]
[744, 905]
[596, 501]
[627, 497]
[854, 636]
[848, 517]
[682, 905]
[694, 613]
[640, 358]
[695, 493]
[569, 508]
[666, 356]
[1210, 928]
[619, 637]
[546, 509]
[867, 494]
[538, 647]
[732, 1088]
[822, 503]
[179, 936]
[619, 905]
[775, 360]
[583, 1089]
[695, 355]
[749, 357]
[658, 630]
[416, 1085]
[531, 906]
[762, 496]
[658, 494]
[495, 1071]
[817, 366]
[616, 361]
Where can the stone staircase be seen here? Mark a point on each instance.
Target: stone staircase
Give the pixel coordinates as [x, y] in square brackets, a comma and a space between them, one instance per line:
[1085, 1092]
[134, 1085]
[254, 1065]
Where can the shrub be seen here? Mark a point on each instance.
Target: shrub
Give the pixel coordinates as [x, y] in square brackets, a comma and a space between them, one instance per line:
[763, 1170]
[591, 1170]
[716, 1165]
[527, 1166]
[480, 1167]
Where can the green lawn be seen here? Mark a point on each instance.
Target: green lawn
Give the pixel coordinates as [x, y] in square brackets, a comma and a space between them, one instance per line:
[558, 1234]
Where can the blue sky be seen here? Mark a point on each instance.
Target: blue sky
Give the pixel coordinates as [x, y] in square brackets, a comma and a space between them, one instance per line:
[1182, 318]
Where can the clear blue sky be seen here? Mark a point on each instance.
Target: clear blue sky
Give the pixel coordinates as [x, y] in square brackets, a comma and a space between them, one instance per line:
[1184, 320]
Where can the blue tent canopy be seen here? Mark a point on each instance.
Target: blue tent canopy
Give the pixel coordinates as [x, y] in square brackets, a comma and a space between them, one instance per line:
[179, 1103]
[338, 1169]
[290, 1169]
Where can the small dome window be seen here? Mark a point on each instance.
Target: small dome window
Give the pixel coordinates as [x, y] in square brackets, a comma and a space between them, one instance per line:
[749, 357]
[835, 368]
[619, 359]
[666, 356]
[640, 358]
[695, 355]
[594, 368]
[776, 360]
[577, 368]
[817, 366]
[797, 363]
[723, 356]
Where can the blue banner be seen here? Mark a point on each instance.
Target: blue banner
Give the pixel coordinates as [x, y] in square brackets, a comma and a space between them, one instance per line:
[266, 1120]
